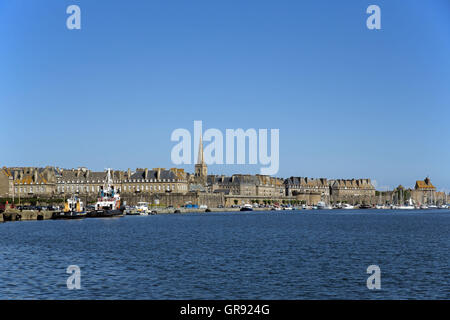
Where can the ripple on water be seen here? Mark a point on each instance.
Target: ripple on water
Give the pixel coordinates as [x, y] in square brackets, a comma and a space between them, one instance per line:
[267, 255]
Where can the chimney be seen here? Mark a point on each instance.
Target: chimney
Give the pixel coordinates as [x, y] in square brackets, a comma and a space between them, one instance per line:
[35, 175]
[128, 173]
[158, 175]
[146, 173]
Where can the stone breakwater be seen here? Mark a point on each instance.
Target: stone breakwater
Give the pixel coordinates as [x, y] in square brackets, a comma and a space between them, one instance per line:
[17, 215]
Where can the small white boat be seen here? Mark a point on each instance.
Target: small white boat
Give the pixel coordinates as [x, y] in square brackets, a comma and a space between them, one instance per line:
[321, 205]
[409, 206]
[142, 208]
[347, 206]
[405, 207]
[423, 206]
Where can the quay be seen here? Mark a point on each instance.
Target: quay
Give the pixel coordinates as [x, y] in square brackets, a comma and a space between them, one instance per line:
[30, 215]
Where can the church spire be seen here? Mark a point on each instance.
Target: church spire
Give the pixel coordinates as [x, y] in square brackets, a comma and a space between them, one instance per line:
[200, 159]
[201, 170]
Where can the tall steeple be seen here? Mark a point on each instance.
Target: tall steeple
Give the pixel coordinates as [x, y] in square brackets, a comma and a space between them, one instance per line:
[200, 159]
[201, 170]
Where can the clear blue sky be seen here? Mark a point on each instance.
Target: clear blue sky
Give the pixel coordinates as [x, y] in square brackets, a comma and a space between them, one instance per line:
[349, 102]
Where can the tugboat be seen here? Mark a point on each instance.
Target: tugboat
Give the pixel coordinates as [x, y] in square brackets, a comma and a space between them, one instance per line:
[73, 209]
[108, 203]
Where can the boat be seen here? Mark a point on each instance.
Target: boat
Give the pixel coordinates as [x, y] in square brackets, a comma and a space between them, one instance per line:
[423, 206]
[142, 208]
[321, 205]
[108, 203]
[131, 211]
[408, 206]
[247, 207]
[73, 209]
[347, 206]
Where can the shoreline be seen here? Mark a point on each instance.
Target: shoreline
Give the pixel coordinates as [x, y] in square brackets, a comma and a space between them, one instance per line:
[34, 215]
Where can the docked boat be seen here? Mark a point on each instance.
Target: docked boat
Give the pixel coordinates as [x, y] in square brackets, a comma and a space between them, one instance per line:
[108, 204]
[408, 206]
[321, 205]
[142, 208]
[347, 206]
[73, 209]
[131, 211]
[247, 207]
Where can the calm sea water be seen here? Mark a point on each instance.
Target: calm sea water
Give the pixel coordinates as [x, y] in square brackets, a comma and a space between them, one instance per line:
[255, 255]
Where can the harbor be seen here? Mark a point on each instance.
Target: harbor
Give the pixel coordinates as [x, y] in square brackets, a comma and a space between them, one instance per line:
[33, 193]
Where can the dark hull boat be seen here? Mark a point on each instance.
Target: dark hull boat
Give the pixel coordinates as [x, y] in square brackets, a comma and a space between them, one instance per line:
[107, 213]
[73, 209]
[247, 207]
[68, 215]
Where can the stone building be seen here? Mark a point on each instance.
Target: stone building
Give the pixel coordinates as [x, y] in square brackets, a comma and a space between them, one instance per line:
[6, 183]
[246, 188]
[86, 182]
[157, 180]
[307, 190]
[298, 185]
[269, 187]
[238, 184]
[83, 181]
[352, 191]
[27, 182]
[424, 191]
